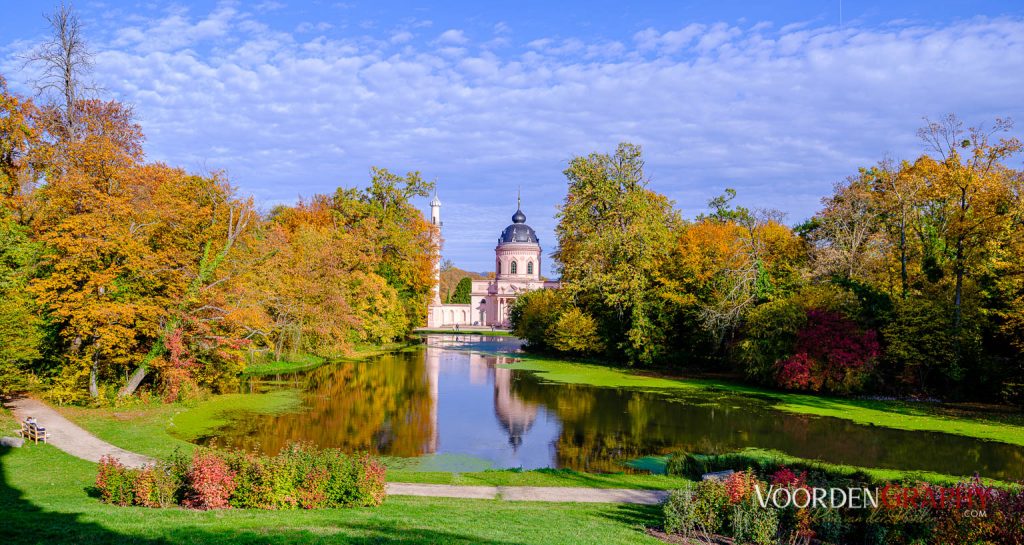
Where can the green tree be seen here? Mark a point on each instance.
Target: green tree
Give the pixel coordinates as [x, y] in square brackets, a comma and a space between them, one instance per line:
[613, 236]
[575, 332]
[462, 290]
[533, 314]
[21, 328]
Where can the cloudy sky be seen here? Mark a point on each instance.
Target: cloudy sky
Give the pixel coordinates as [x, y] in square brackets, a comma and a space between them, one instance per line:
[778, 100]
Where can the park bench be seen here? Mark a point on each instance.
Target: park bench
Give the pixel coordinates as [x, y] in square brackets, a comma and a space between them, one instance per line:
[34, 432]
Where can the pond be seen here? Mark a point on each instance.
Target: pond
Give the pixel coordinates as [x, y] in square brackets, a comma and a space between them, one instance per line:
[453, 397]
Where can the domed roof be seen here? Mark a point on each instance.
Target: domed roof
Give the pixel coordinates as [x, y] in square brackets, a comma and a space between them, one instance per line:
[518, 231]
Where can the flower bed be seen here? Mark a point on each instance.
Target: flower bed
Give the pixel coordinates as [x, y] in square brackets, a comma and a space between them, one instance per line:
[748, 507]
[299, 477]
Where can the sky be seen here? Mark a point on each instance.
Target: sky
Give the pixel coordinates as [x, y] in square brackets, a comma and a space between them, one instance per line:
[779, 100]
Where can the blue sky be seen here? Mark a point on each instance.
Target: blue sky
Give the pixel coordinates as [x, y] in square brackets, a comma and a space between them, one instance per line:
[779, 100]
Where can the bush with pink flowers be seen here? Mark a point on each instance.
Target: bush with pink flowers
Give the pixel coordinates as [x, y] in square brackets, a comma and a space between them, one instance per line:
[300, 476]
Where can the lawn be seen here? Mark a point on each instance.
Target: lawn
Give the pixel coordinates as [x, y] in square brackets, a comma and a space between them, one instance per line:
[292, 363]
[44, 499]
[991, 422]
[158, 429]
[486, 333]
[537, 477]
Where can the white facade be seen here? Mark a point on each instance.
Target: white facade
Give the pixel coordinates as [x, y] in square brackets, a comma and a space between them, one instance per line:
[517, 264]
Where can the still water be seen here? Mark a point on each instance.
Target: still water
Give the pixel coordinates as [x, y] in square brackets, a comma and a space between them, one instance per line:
[452, 397]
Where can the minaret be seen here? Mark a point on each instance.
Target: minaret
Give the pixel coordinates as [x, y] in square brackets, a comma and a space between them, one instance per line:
[435, 219]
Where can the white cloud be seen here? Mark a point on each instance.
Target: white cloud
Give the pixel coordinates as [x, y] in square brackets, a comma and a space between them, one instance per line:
[778, 114]
[321, 26]
[453, 37]
[401, 37]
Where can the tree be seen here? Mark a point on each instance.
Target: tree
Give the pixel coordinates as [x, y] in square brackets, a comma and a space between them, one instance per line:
[613, 234]
[462, 291]
[403, 239]
[899, 190]
[533, 314]
[575, 332]
[969, 178]
[65, 60]
[731, 260]
[846, 238]
[19, 140]
[21, 328]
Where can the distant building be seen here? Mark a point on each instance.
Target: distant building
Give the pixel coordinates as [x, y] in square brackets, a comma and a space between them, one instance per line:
[517, 260]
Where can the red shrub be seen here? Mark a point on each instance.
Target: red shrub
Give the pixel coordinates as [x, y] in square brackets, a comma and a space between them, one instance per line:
[832, 354]
[740, 485]
[144, 488]
[313, 490]
[787, 477]
[210, 482]
[371, 485]
[115, 482]
[795, 373]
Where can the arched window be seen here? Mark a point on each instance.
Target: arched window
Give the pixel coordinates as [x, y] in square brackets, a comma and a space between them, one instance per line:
[512, 269]
[529, 267]
[499, 267]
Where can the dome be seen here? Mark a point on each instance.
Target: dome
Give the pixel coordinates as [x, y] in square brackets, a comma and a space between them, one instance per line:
[435, 201]
[518, 231]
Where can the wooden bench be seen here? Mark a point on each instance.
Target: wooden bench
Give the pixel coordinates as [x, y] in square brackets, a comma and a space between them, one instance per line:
[34, 432]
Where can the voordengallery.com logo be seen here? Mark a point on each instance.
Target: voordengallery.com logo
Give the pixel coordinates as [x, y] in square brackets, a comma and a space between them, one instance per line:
[888, 496]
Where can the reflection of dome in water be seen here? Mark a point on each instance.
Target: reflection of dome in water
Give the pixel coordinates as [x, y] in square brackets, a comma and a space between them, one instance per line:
[515, 415]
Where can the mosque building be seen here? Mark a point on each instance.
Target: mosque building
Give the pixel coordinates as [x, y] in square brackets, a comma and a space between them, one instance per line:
[517, 260]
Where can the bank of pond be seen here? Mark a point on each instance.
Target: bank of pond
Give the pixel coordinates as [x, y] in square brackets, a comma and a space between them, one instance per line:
[468, 403]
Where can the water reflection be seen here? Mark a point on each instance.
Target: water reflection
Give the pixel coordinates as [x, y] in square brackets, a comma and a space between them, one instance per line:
[448, 399]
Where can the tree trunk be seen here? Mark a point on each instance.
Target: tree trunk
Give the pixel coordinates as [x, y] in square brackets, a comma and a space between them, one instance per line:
[903, 257]
[958, 290]
[133, 383]
[94, 389]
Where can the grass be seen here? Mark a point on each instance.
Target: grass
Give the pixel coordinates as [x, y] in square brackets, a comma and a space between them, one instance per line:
[292, 363]
[158, 429]
[486, 333]
[768, 461]
[44, 499]
[537, 477]
[979, 422]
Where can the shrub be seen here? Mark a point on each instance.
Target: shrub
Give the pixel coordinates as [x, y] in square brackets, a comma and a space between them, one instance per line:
[575, 332]
[533, 314]
[253, 486]
[210, 482]
[710, 503]
[740, 486]
[115, 482]
[300, 476]
[751, 523]
[680, 513]
[832, 354]
[687, 465]
[372, 484]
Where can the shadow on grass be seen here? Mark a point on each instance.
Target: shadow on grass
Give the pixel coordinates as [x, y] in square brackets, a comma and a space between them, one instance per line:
[22, 521]
[645, 516]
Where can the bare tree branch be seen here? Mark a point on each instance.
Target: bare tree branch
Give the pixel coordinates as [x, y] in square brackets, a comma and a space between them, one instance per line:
[66, 61]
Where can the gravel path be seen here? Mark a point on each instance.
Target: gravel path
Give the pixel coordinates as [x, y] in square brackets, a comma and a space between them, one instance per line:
[70, 438]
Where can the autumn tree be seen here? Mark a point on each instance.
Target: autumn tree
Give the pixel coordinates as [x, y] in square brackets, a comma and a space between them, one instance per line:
[845, 236]
[613, 235]
[730, 260]
[64, 61]
[968, 178]
[402, 238]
